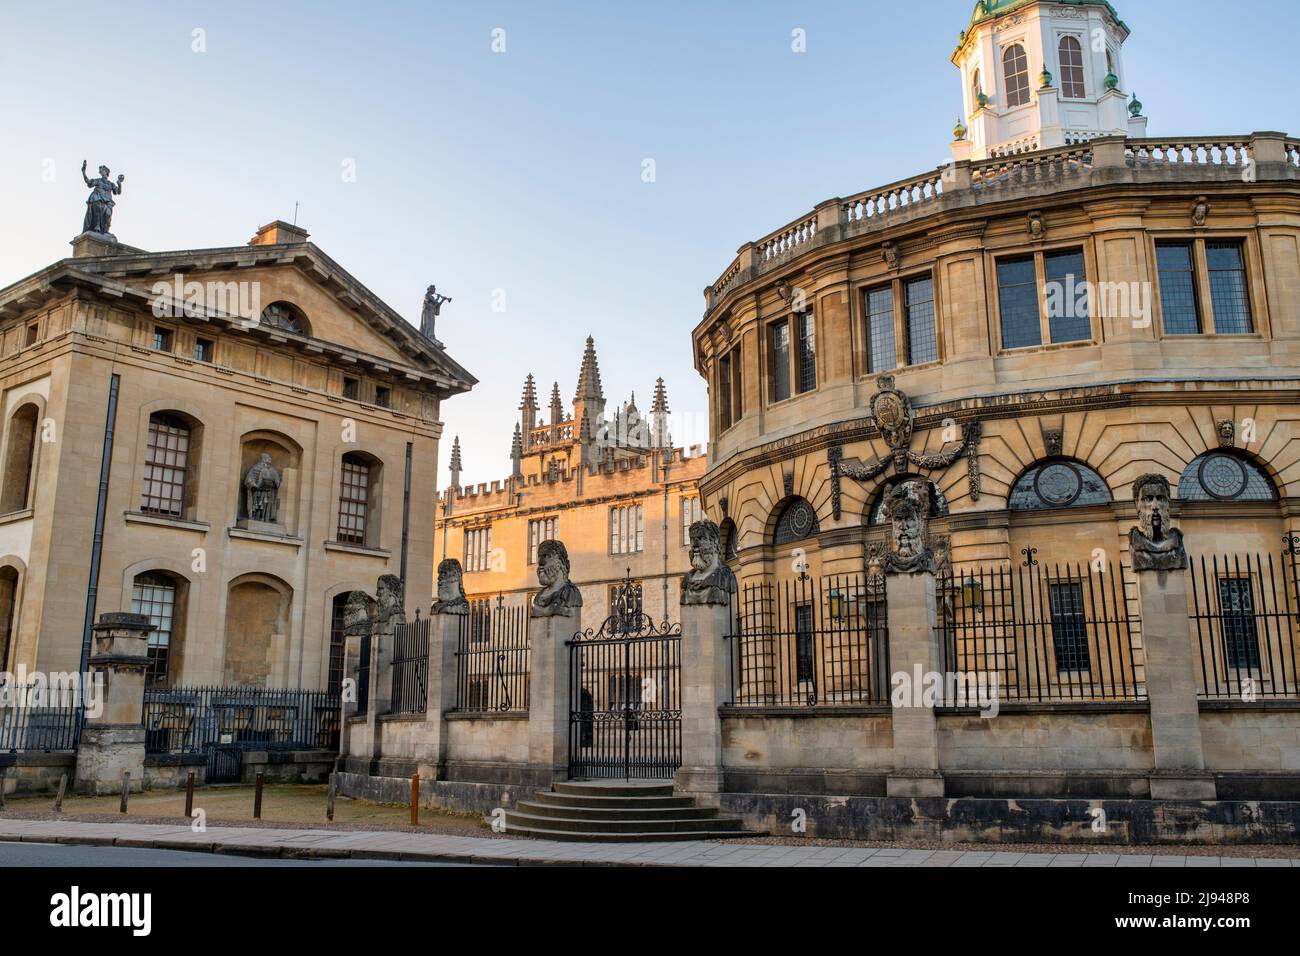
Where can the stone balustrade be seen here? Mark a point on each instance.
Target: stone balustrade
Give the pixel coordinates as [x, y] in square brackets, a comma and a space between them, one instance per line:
[1102, 159]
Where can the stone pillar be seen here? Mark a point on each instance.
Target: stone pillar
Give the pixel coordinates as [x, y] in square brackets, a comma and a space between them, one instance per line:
[1268, 150]
[112, 741]
[1180, 772]
[914, 652]
[548, 694]
[705, 677]
[444, 641]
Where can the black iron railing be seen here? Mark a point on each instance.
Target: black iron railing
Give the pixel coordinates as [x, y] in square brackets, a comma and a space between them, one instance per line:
[1036, 633]
[363, 676]
[36, 718]
[1245, 610]
[194, 719]
[493, 659]
[810, 642]
[410, 693]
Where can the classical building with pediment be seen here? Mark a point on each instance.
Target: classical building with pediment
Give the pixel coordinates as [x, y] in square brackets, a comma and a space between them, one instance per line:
[228, 441]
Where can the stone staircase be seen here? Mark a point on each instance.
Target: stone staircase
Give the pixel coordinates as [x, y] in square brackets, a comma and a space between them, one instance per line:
[618, 811]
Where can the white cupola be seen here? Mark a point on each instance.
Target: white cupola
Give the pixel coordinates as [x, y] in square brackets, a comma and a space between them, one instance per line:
[1039, 74]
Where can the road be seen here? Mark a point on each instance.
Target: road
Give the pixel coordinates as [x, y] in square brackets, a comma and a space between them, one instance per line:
[54, 855]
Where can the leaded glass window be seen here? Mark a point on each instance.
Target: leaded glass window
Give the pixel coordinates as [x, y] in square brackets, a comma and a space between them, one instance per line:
[1058, 483]
[1018, 303]
[1223, 476]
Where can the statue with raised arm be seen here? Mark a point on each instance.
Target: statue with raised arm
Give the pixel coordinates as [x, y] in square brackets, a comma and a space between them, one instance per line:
[433, 303]
[99, 205]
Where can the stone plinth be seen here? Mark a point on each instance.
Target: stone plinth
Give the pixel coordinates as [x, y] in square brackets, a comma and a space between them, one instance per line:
[112, 740]
[548, 694]
[913, 650]
[704, 689]
[1180, 772]
[444, 639]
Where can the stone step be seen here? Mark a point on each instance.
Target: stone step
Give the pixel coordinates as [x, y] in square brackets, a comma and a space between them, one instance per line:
[582, 800]
[578, 836]
[581, 812]
[614, 788]
[516, 820]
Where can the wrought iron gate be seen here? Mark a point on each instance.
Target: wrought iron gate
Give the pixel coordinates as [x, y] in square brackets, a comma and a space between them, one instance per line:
[225, 764]
[625, 694]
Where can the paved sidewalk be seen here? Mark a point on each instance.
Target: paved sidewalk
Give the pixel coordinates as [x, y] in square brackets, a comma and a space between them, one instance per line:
[380, 845]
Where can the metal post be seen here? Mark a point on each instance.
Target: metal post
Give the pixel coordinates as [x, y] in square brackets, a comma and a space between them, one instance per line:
[189, 795]
[3, 771]
[101, 504]
[126, 790]
[329, 804]
[415, 799]
[58, 798]
[257, 796]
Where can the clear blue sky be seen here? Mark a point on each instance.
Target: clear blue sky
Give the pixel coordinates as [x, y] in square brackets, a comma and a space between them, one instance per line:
[521, 170]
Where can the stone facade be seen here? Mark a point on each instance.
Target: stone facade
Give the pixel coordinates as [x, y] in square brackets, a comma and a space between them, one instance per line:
[584, 475]
[271, 349]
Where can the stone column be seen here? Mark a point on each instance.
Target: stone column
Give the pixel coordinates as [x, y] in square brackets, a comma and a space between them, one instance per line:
[705, 677]
[914, 652]
[548, 694]
[112, 741]
[1180, 772]
[444, 641]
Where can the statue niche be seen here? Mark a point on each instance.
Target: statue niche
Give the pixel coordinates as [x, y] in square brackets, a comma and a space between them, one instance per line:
[268, 482]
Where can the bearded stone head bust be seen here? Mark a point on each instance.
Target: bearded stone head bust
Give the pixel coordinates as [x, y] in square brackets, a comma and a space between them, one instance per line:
[390, 600]
[907, 510]
[709, 581]
[558, 596]
[1155, 545]
[358, 613]
[451, 589]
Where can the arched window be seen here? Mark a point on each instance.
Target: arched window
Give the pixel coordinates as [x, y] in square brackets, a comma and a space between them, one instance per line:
[8, 614]
[169, 475]
[20, 454]
[1071, 68]
[1224, 476]
[1015, 75]
[338, 636]
[287, 317]
[155, 596]
[1058, 483]
[358, 499]
[727, 532]
[938, 503]
[1110, 63]
[796, 522]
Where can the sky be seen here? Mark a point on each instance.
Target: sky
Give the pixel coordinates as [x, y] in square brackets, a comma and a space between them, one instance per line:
[500, 150]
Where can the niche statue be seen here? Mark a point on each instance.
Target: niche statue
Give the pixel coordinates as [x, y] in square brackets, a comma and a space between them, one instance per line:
[1155, 545]
[451, 589]
[709, 581]
[559, 596]
[262, 488]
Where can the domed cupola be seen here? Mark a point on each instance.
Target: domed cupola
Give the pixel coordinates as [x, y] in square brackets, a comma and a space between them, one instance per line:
[1039, 75]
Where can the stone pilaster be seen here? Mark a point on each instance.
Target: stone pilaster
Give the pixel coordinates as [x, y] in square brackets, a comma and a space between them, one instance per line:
[548, 694]
[704, 689]
[914, 652]
[444, 640]
[112, 740]
[1180, 772]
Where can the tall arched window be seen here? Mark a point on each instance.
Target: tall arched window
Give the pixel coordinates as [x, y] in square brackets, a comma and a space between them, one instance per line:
[797, 521]
[1224, 476]
[8, 614]
[1015, 75]
[975, 90]
[727, 534]
[338, 636]
[155, 596]
[1058, 483]
[358, 490]
[1071, 68]
[20, 454]
[167, 459]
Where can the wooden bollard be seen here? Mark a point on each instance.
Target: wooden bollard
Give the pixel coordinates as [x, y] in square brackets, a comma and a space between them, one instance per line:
[189, 795]
[257, 797]
[58, 797]
[126, 790]
[415, 800]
